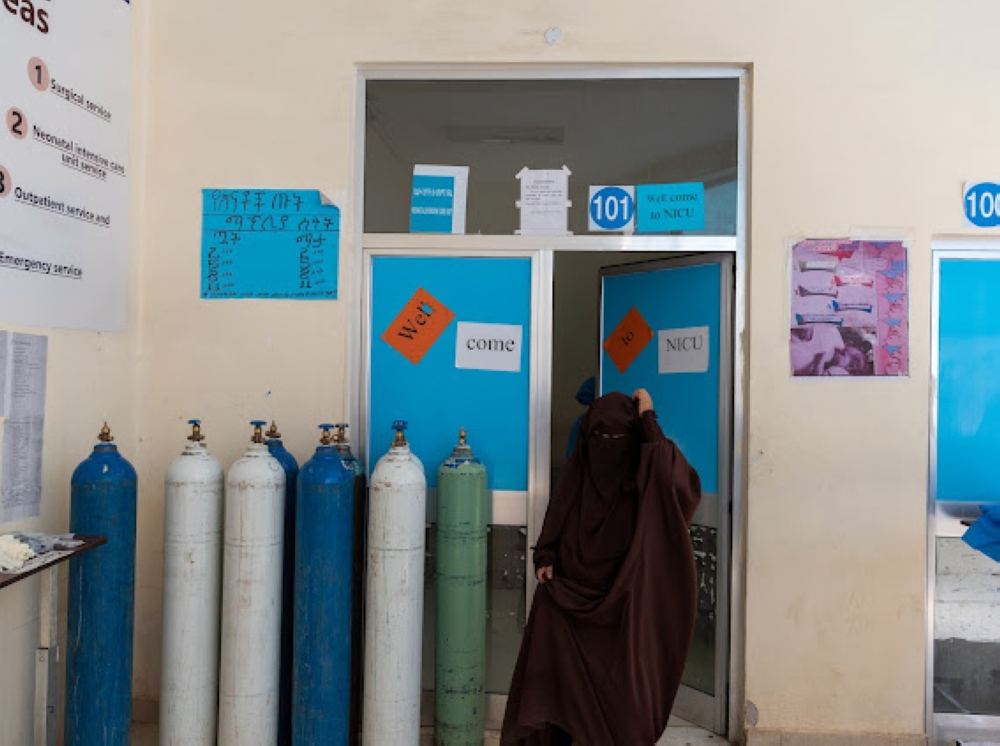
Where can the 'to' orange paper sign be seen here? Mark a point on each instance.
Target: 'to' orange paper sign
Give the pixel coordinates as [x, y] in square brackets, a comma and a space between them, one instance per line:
[417, 327]
[628, 339]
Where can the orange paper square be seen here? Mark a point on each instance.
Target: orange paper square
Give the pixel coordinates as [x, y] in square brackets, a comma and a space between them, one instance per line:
[417, 327]
[628, 339]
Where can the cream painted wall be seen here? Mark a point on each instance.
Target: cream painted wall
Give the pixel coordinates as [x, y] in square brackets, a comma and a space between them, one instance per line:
[92, 377]
[865, 116]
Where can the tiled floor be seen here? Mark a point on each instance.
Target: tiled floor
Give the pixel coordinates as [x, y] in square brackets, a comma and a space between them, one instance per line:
[680, 735]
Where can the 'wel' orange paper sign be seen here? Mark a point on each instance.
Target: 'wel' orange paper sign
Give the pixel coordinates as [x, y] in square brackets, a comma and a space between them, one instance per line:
[417, 327]
[628, 339]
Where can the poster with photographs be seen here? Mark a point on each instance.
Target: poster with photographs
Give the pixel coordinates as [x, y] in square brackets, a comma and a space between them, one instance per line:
[849, 308]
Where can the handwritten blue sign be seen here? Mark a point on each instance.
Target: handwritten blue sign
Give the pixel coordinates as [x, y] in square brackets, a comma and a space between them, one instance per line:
[432, 208]
[663, 208]
[982, 204]
[269, 243]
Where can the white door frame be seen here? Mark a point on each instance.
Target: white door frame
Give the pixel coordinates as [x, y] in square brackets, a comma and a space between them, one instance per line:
[363, 246]
[944, 520]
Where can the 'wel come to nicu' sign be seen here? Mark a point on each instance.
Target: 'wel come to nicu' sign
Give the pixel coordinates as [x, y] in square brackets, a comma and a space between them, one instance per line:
[664, 208]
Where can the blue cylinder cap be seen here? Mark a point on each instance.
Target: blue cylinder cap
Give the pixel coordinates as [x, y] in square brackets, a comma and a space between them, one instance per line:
[399, 426]
[258, 434]
[195, 435]
[327, 439]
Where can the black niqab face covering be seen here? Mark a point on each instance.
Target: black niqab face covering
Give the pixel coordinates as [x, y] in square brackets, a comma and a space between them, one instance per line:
[612, 434]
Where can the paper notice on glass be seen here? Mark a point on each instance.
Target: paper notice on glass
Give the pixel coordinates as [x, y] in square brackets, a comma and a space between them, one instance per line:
[544, 201]
[438, 199]
[24, 371]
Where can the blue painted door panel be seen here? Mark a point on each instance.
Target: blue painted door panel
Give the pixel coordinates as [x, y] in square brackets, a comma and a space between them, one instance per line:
[968, 427]
[435, 397]
[687, 404]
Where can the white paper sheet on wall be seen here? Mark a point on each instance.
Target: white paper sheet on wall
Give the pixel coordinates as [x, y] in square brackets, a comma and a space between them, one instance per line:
[4, 392]
[27, 360]
[544, 201]
[24, 362]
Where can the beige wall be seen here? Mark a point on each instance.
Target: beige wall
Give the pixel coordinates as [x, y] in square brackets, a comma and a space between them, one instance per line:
[865, 115]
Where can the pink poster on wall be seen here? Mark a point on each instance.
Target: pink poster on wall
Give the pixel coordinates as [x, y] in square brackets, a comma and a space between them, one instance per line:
[850, 303]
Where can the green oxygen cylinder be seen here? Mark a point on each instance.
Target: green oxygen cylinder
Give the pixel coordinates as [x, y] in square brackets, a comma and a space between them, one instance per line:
[460, 634]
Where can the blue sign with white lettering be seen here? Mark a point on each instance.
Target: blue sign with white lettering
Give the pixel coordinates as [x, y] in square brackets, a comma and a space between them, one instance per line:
[611, 209]
[432, 208]
[982, 204]
[663, 208]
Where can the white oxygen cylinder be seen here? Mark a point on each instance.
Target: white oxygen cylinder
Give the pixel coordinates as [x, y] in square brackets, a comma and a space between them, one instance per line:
[395, 598]
[251, 598]
[192, 579]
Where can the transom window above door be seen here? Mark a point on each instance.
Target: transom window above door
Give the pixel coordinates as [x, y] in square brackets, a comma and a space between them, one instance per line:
[606, 132]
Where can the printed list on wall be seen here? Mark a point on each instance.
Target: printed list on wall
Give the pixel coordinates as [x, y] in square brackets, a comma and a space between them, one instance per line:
[23, 363]
[850, 302]
[269, 243]
[64, 81]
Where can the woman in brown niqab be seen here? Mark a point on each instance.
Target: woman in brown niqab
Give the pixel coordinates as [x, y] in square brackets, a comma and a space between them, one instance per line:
[611, 621]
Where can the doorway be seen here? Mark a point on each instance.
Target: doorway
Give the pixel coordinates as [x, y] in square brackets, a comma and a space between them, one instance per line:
[611, 127]
[963, 644]
[670, 291]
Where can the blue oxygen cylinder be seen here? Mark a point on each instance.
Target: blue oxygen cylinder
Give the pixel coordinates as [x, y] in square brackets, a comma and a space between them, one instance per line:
[343, 446]
[321, 688]
[291, 467]
[100, 610]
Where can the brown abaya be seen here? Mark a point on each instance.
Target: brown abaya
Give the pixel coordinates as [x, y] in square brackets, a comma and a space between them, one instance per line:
[608, 635]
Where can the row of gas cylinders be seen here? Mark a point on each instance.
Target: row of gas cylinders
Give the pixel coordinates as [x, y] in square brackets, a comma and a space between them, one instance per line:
[264, 602]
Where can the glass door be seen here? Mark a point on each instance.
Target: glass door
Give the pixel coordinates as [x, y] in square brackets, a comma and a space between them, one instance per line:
[672, 323]
[963, 650]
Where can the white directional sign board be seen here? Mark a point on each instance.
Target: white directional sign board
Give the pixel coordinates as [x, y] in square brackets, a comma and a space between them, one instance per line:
[64, 84]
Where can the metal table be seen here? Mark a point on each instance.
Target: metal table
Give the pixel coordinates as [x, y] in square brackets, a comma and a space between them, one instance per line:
[47, 655]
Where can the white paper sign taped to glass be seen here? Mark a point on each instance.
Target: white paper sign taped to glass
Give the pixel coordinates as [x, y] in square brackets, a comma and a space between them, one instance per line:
[437, 201]
[683, 350]
[64, 72]
[544, 201]
[488, 347]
